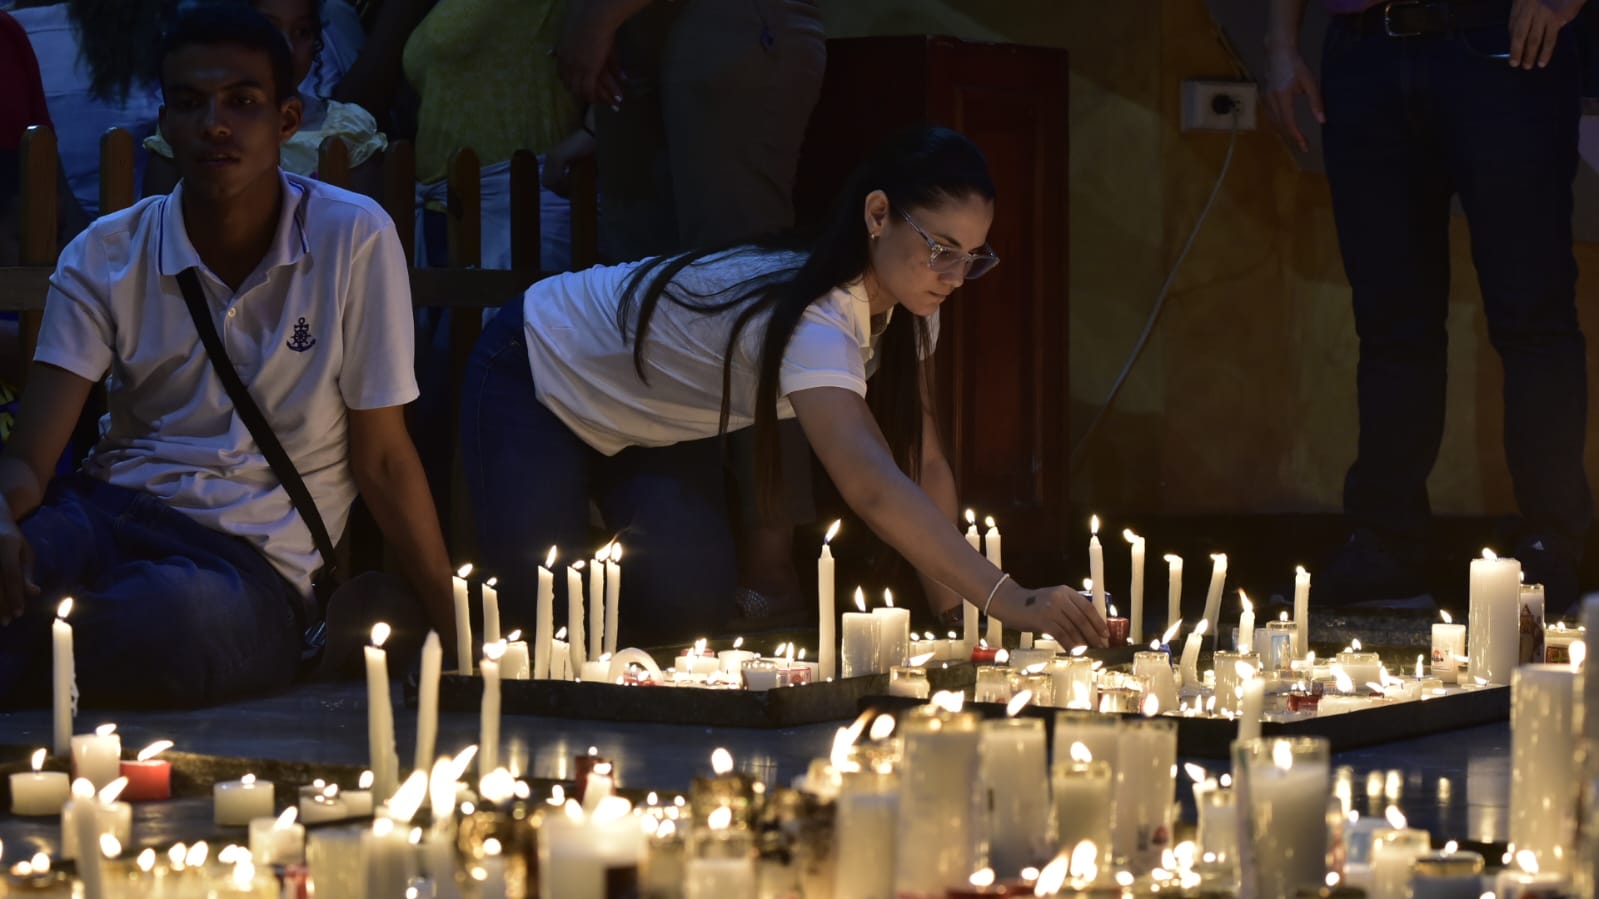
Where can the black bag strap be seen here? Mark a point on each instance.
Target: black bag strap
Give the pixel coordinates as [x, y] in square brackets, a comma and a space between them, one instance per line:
[244, 404]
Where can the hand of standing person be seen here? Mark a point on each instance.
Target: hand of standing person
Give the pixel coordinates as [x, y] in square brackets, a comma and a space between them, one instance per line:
[586, 54]
[1287, 76]
[1535, 27]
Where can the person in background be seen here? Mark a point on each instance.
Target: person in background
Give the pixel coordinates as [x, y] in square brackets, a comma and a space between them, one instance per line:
[701, 108]
[301, 23]
[1420, 102]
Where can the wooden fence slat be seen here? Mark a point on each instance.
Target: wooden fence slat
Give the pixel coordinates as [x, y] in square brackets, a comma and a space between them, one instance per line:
[526, 226]
[40, 219]
[333, 162]
[584, 191]
[399, 192]
[116, 171]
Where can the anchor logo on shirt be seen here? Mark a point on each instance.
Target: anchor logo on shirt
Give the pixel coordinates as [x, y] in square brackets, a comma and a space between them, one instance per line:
[302, 339]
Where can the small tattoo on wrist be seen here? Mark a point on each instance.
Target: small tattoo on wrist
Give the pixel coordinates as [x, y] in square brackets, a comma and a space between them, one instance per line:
[1030, 601]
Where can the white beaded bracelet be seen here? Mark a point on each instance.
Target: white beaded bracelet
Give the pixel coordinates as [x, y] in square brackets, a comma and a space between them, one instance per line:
[1003, 577]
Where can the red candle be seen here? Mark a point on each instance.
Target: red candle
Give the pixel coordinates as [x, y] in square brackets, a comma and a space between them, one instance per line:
[983, 654]
[1118, 628]
[147, 780]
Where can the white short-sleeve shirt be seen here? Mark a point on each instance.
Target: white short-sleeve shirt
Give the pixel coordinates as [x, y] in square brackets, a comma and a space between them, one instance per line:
[323, 325]
[583, 368]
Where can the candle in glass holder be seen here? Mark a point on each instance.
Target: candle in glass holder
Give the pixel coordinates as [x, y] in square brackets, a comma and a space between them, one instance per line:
[277, 841]
[149, 778]
[1394, 851]
[1082, 790]
[858, 656]
[237, 802]
[907, 680]
[1447, 875]
[1530, 624]
[1282, 787]
[1116, 626]
[1557, 643]
[1014, 769]
[1493, 635]
[1448, 648]
[1074, 681]
[1362, 668]
[94, 814]
[1155, 668]
[936, 840]
[39, 792]
[1146, 791]
[1275, 645]
[992, 684]
[723, 862]
[97, 757]
[893, 633]
[1543, 764]
[866, 812]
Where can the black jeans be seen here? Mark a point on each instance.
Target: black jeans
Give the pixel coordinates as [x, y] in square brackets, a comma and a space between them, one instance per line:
[1411, 122]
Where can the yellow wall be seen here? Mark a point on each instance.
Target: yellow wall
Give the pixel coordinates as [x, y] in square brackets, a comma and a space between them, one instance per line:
[1244, 400]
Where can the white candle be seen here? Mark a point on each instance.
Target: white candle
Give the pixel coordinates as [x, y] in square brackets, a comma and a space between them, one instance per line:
[463, 621]
[1096, 565]
[63, 677]
[1393, 853]
[491, 610]
[969, 612]
[277, 841]
[596, 619]
[319, 806]
[1530, 624]
[1146, 791]
[236, 802]
[597, 671]
[1250, 708]
[544, 620]
[1301, 611]
[577, 637]
[86, 828]
[940, 809]
[576, 850]
[390, 858]
[560, 659]
[613, 594]
[993, 545]
[1082, 795]
[516, 664]
[493, 884]
[1283, 791]
[359, 800]
[1543, 768]
[865, 816]
[858, 657]
[1155, 668]
[1246, 625]
[1014, 772]
[488, 748]
[727, 867]
[1137, 549]
[39, 792]
[1493, 632]
[893, 634]
[1189, 667]
[1448, 647]
[383, 759]
[826, 613]
[1174, 590]
[731, 661]
[1218, 579]
[427, 702]
[109, 816]
[97, 757]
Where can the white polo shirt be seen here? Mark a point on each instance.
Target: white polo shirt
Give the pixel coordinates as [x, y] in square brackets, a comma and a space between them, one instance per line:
[321, 326]
[583, 366]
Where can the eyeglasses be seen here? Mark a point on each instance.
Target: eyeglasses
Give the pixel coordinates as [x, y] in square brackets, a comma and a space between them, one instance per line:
[944, 260]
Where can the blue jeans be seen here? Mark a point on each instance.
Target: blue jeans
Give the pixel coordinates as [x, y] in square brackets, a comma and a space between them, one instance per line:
[166, 611]
[1411, 122]
[532, 481]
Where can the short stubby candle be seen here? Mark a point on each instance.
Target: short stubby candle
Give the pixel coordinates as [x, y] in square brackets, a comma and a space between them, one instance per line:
[149, 778]
[238, 802]
[97, 757]
[39, 792]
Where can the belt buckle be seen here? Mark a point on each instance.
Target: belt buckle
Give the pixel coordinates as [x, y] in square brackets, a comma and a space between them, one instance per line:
[1388, 16]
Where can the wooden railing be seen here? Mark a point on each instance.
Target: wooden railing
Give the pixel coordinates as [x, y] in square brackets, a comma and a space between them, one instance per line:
[461, 284]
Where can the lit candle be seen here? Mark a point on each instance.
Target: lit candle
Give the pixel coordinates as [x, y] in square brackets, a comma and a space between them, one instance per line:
[277, 841]
[1284, 787]
[320, 803]
[1174, 589]
[63, 677]
[995, 549]
[149, 778]
[1096, 565]
[489, 740]
[1137, 549]
[560, 659]
[1246, 625]
[544, 621]
[1252, 703]
[491, 610]
[858, 657]
[596, 619]
[427, 702]
[1301, 611]
[827, 615]
[492, 884]
[613, 594]
[1116, 627]
[1189, 667]
[383, 760]
[731, 661]
[1448, 647]
[359, 800]
[903, 680]
[1493, 632]
[1155, 668]
[86, 828]
[515, 664]
[865, 816]
[969, 613]
[97, 757]
[1543, 763]
[390, 858]
[937, 834]
[578, 851]
[236, 802]
[1394, 850]
[893, 634]
[39, 792]
[725, 866]
[463, 621]
[1013, 773]
[1146, 791]
[1530, 624]
[107, 817]
[1218, 578]
[1082, 794]
[577, 638]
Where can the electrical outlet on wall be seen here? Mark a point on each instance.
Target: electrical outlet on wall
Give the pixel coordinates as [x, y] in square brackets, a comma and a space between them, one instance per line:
[1209, 105]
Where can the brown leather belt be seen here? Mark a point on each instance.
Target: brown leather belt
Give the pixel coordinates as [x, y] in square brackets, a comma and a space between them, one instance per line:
[1420, 18]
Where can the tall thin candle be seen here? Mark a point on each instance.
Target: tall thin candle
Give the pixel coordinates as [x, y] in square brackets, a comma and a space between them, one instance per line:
[1174, 589]
[613, 594]
[826, 613]
[543, 620]
[488, 750]
[463, 621]
[578, 649]
[969, 613]
[1218, 578]
[380, 714]
[1137, 552]
[491, 610]
[994, 548]
[1246, 624]
[427, 702]
[596, 622]
[1096, 565]
[1301, 611]
[63, 677]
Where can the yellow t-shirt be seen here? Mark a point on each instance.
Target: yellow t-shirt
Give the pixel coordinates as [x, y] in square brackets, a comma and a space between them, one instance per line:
[486, 80]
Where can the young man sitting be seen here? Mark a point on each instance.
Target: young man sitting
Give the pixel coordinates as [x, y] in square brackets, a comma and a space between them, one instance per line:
[190, 568]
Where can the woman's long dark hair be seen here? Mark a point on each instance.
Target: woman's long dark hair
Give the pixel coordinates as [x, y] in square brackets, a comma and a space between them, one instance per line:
[917, 168]
[120, 40]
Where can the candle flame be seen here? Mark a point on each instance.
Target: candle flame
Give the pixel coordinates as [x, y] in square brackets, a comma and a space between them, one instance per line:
[154, 749]
[515, 635]
[38, 759]
[105, 730]
[1053, 877]
[1489, 554]
[1446, 616]
[1171, 632]
[616, 553]
[549, 560]
[951, 701]
[1088, 585]
[888, 598]
[1579, 652]
[918, 661]
[110, 846]
[408, 798]
[1345, 683]
[248, 780]
[882, 728]
[988, 522]
[1396, 818]
[1419, 668]
[492, 582]
[1195, 773]
[1151, 706]
[1527, 860]
[492, 847]
[1244, 670]
[1130, 537]
[576, 566]
[464, 571]
[1001, 656]
[559, 635]
[1018, 702]
[721, 761]
[699, 646]
[1282, 755]
[146, 861]
[380, 633]
[1083, 865]
[1112, 611]
[860, 599]
[982, 878]
[111, 791]
[1354, 645]
[1077, 651]
[1244, 598]
[1093, 525]
[1220, 559]
[719, 819]
[65, 608]
[286, 820]
[1199, 630]
[1451, 847]
[494, 651]
[1081, 754]
[832, 530]
[738, 642]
